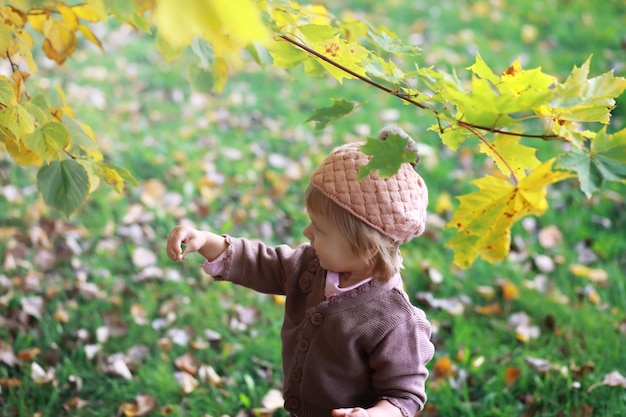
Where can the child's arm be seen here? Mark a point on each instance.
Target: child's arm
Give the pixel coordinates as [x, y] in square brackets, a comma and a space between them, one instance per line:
[382, 408]
[207, 244]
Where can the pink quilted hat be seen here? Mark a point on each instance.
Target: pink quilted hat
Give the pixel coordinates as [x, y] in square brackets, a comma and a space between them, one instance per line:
[395, 206]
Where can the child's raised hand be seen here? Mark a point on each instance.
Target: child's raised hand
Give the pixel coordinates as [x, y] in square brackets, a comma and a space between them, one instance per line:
[350, 412]
[183, 235]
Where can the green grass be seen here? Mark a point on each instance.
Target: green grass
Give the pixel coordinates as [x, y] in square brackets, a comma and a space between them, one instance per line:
[151, 126]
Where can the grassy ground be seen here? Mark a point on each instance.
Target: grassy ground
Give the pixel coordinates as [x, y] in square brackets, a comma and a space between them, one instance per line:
[238, 163]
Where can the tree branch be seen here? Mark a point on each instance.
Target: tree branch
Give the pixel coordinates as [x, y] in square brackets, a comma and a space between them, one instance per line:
[406, 97]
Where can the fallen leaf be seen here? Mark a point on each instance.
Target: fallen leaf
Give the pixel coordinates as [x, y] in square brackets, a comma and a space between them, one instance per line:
[139, 314]
[206, 373]
[143, 405]
[612, 379]
[187, 363]
[75, 403]
[455, 305]
[523, 326]
[41, 376]
[273, 400]
[443, 367]
[61, 315]
[10, 382]
[490, 309]
[550, 236]
[486, 292]
[7, 356]
[508, 289]
[187, 382]
[544, 366]
[28, 354]
[91, 351]
[143, 257]
[593, 274]
[33, 306]
[116, 366]
[511, 375]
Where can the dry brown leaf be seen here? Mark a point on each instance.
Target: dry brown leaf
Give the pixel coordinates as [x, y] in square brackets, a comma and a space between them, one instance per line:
[187, 382]
[508, 289]
[543, 366]
[593, 274]
[116, 366]
[28, 354]
[143, 257]
[41, 376]
[583, 410]
[207, 374]
[550, 236]
[272, 401]
[61, 315]
[443, 367]
[139, 314]
[490, 309]
[135, 356]
[511, 375]
[486, 292]
[91, 351]
[75, 403]
[523, 326]
[454, 306]
[10, 382]
[143, 405]
[115, 323]
[612, 379]
[187, 363]
[7, 356]
[33, 306]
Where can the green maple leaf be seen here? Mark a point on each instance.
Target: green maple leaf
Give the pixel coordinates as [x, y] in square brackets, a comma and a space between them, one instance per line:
[393, 45]
[387, 156]
[605, 160]
[324, 116]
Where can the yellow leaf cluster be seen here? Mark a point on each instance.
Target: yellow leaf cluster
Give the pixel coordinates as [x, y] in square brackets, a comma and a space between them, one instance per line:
[484, 218]
[227, 25]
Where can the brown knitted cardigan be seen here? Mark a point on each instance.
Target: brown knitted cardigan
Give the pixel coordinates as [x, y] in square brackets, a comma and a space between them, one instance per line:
[350, 351]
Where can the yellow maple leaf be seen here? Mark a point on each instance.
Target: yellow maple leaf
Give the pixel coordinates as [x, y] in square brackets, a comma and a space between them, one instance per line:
[484, 218]
[350, 55]
[227, 25]
[510, 156]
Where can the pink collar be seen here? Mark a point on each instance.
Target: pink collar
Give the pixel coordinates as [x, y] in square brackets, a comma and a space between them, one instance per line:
[332, 288]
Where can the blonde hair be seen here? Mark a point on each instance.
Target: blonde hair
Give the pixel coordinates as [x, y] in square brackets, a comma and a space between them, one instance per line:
[363, 238]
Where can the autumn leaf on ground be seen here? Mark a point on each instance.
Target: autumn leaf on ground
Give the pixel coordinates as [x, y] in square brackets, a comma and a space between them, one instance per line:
[604, 161]
[612, 379]
[484, 218]
[322, 117]
[387, 155]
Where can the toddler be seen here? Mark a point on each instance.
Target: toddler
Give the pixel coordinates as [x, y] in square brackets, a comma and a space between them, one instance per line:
[352, 343]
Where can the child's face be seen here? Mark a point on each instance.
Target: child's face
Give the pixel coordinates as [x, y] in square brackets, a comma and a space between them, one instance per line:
[332, 248]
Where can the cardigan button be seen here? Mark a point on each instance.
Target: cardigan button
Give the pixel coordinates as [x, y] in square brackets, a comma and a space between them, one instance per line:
[303, 345]
[292, 403]
[296, 375]
[317, 319]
